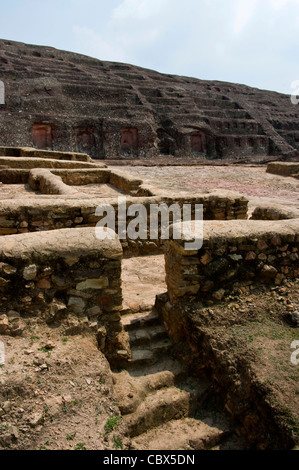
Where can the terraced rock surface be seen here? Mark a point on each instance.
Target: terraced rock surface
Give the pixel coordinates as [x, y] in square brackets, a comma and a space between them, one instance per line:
[64, 101]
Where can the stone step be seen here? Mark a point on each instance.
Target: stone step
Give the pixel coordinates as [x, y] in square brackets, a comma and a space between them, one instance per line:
[150, 355]
[131, 389]
[184, 434]
[140, 320]
[133, 308]
[157, 408]
[131, 392]
[144, 336]
[165, 363]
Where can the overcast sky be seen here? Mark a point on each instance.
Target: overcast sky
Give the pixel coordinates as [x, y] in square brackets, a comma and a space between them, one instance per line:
[255, 42]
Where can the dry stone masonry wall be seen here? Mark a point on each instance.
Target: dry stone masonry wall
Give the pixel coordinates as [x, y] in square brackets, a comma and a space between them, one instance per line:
[23, 217]
[55, 204]
[63, 274]
[235, 255]
[284, 169]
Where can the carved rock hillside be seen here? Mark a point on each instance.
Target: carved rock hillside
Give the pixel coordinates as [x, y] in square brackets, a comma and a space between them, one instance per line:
[64, 101]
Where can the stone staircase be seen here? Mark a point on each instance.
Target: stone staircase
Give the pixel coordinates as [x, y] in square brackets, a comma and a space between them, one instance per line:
[163, 407]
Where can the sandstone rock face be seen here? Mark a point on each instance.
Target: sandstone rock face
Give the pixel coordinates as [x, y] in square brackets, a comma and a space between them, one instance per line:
[56, 100]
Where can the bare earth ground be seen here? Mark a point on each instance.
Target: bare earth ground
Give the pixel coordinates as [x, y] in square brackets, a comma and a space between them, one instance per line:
[9, 191]
[142, 279]
[56, 392]
[99, 190]
[252, 182]
[252, 333]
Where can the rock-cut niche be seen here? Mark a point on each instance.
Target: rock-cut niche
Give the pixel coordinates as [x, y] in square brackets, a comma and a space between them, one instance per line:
[42, 136]
[198, 142]
[166, 144]
[85, 138]
[129, 141]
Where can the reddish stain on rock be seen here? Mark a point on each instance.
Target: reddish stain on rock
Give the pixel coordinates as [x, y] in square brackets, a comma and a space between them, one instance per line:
[42, 136]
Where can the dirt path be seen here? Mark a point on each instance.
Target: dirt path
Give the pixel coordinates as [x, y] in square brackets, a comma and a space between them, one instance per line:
[142, 279]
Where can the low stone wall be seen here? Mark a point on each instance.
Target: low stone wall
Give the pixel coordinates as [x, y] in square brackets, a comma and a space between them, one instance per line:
[32, 152]
[14, 175]
[274, 212]
[71, 174]
[30, 163]
[18, 216]
[234, 254]
[284, 169]
[125, 182]
[83, 177]
[44, 181]
[62, 274]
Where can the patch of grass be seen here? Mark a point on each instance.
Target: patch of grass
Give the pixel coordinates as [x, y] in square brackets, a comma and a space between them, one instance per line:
[65, 340]
[77, 403]
[112, 423]
[117, 443]
[80, 446]
[45, 350]
[70, 437]
[34, 338]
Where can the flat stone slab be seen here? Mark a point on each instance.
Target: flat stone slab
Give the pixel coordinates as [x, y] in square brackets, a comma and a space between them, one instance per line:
[284, 168]
[30, 163]
[69, 243]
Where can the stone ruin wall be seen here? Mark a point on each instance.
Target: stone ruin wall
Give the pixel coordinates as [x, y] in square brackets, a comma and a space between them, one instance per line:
[24, 218]
[238, 254]
[70, 208]
[284, 169]
[63, 274]
[28, 152]
[53, 267]
[236, 258]
[235, 255]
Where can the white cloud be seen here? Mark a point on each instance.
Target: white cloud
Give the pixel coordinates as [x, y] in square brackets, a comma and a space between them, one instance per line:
[244, 13]
[138, 9]
[245, 41]
[278, 4]
[132, 25]
[138, 22]
[95, 45]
